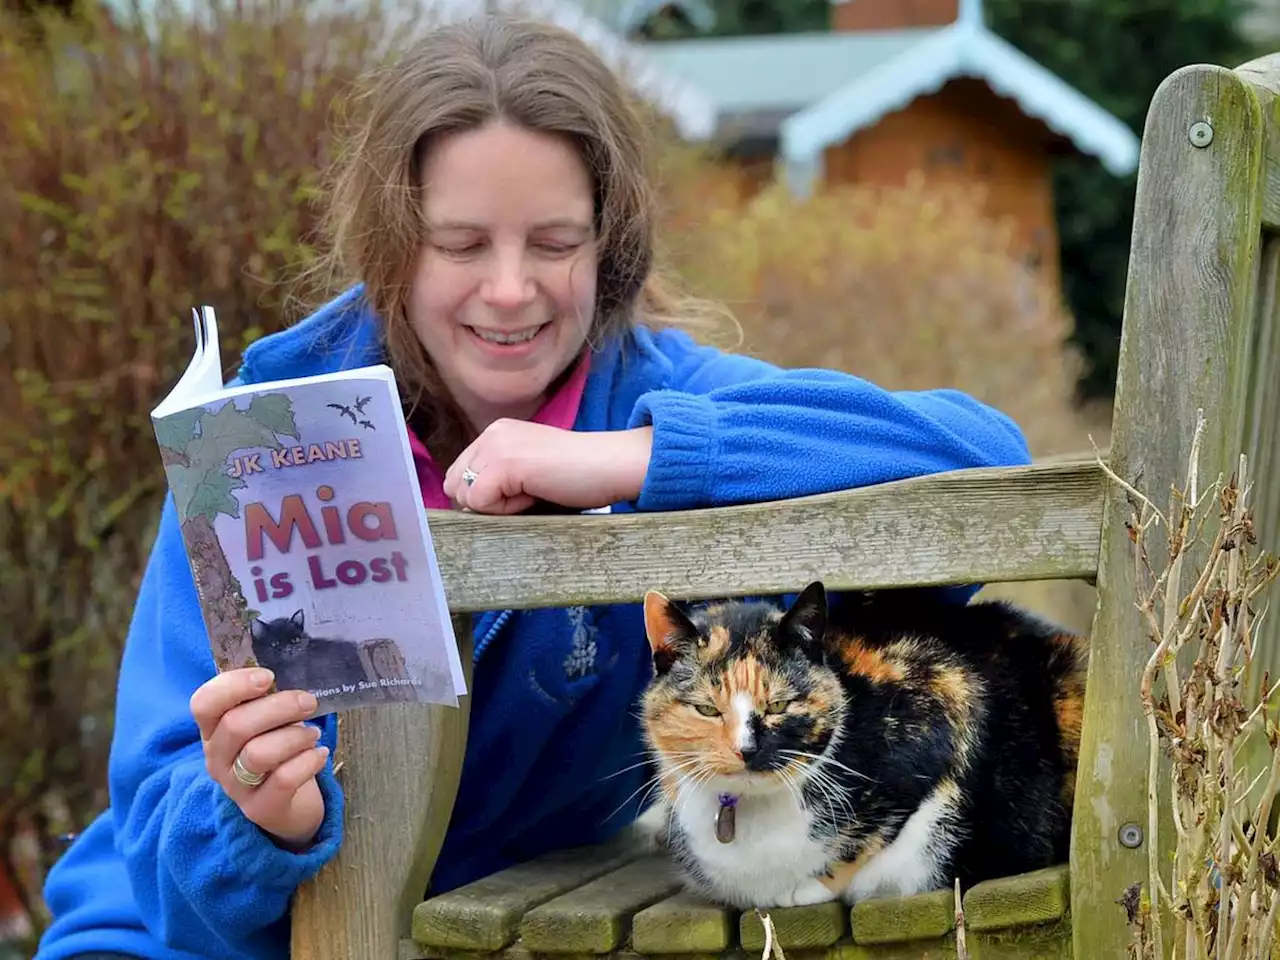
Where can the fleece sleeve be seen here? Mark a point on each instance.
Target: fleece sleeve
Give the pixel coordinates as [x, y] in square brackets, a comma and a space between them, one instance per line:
[731, 429]
[206, 879]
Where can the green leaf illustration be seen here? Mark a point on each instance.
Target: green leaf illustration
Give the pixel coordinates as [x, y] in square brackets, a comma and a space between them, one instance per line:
[206, 493]
[274, 412]
[225, 432]
[178, 429]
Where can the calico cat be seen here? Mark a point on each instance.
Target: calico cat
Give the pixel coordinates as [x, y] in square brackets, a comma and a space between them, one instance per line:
[303, 662]
[884, 746]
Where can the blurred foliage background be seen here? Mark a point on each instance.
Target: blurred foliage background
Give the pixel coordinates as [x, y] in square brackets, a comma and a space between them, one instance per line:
[143, 171]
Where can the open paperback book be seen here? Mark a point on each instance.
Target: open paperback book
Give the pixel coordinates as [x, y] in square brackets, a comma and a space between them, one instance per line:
[303, 521]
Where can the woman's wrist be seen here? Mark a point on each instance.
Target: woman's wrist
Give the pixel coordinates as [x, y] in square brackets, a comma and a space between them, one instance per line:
[630, 462]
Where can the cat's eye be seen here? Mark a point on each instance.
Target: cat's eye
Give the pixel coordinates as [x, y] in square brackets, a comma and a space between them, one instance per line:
[706, 709]
[777, 706]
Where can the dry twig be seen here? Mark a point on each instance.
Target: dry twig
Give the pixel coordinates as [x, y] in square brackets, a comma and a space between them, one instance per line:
[772, 948]
[1222, 893]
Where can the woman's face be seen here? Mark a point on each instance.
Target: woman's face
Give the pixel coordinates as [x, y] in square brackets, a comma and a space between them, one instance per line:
[504, 289]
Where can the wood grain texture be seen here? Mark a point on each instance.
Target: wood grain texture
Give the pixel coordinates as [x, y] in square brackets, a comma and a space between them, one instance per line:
[596, 917]
[401, 765]
[1040, 896]
[684, 924]
[1037, 522]
[485, 915]
[894, 919]
[1185, 344]
[1263, 77]
[797, 928]
[1262, 418]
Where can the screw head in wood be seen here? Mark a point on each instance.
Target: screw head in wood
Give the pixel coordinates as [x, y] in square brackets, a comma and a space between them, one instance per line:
[1201, 133]
[1131, 836]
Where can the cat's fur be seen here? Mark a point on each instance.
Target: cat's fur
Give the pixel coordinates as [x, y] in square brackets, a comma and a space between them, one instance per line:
[910, 741]
[303, 662]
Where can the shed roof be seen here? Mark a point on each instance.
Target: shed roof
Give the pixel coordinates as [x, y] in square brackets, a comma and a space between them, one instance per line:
[963, 49]
[785, 71]
[816, 90]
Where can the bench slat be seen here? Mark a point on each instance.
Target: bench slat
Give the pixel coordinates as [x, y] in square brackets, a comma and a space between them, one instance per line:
[485, 915]
[596, 917]
[685, 923]
[1039, 522]
[798, 928]
[1025, 900]
[924, 916]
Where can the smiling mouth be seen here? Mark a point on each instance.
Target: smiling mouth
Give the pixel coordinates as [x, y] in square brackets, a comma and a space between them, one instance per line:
[508, 338]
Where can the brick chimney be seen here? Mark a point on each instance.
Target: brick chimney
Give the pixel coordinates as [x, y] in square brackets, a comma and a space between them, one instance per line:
[892, 14]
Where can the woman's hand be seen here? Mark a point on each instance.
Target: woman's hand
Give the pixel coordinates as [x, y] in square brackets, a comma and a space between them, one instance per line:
[268, 736]
[516, 462]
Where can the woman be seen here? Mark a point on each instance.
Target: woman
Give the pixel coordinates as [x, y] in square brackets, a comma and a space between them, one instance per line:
[495, 210]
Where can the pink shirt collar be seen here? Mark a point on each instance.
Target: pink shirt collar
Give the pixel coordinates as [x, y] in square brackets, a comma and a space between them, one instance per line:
[560, 410]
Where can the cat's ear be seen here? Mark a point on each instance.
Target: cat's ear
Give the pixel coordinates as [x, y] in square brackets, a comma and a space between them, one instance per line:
[296, 619]
[255, 628]
[805, 621]
[670, 631]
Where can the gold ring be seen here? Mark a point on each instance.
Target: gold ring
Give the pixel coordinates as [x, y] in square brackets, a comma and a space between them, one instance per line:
[244, 775]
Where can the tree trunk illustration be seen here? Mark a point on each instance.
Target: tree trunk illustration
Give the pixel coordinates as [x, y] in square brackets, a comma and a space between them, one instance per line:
[196, 447]
[220, 595]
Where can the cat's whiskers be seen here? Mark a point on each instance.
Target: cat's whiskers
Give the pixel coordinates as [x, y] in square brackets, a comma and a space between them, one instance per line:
[826, 786]
[792, 787]
[682, 754]
[833, 793]
[648, 786]
[825, 758]
[618, 773]
[694, 781]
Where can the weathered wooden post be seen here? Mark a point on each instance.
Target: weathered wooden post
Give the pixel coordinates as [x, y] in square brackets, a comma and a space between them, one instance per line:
[1206, 193]
[401, 765]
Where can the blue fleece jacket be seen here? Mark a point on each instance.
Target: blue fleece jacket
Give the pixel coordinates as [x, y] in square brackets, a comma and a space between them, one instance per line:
[172, 870]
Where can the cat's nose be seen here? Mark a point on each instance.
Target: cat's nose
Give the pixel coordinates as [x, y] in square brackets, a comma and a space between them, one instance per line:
[747, 752]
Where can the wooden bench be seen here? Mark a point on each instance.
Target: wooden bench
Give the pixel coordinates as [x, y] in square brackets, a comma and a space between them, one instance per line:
[1199, 334]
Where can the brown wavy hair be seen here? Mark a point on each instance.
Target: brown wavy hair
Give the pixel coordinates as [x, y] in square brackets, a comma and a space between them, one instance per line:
[456, 78]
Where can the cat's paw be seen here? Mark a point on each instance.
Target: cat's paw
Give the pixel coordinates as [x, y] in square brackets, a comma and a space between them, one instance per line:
[809, 891]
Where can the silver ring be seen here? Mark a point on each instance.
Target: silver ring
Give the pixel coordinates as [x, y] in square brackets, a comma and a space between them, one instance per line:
[469, 476]
[243, 774]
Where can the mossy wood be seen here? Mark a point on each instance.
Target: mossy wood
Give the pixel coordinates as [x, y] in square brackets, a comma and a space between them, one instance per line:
[1199, 333]
[400, 766]
[633, 912]
[1190, 326]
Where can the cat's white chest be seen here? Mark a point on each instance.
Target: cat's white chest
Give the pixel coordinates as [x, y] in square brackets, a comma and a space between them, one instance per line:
[771, 858]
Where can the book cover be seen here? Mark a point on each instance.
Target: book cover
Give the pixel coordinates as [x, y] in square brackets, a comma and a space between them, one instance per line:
[304, 525]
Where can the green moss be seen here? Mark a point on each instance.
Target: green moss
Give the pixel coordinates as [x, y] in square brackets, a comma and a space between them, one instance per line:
[1043, 942]
[596, 917]
[819, 925]
[684, 924]
[942, 949]
[1030, 898]
[897, 919]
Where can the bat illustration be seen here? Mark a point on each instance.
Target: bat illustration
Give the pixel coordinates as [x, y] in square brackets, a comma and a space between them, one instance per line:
[343, 410]
[367, 425]
[360, 403]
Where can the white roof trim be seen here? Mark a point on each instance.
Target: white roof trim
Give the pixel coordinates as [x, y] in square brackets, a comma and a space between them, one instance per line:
[962, 49]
